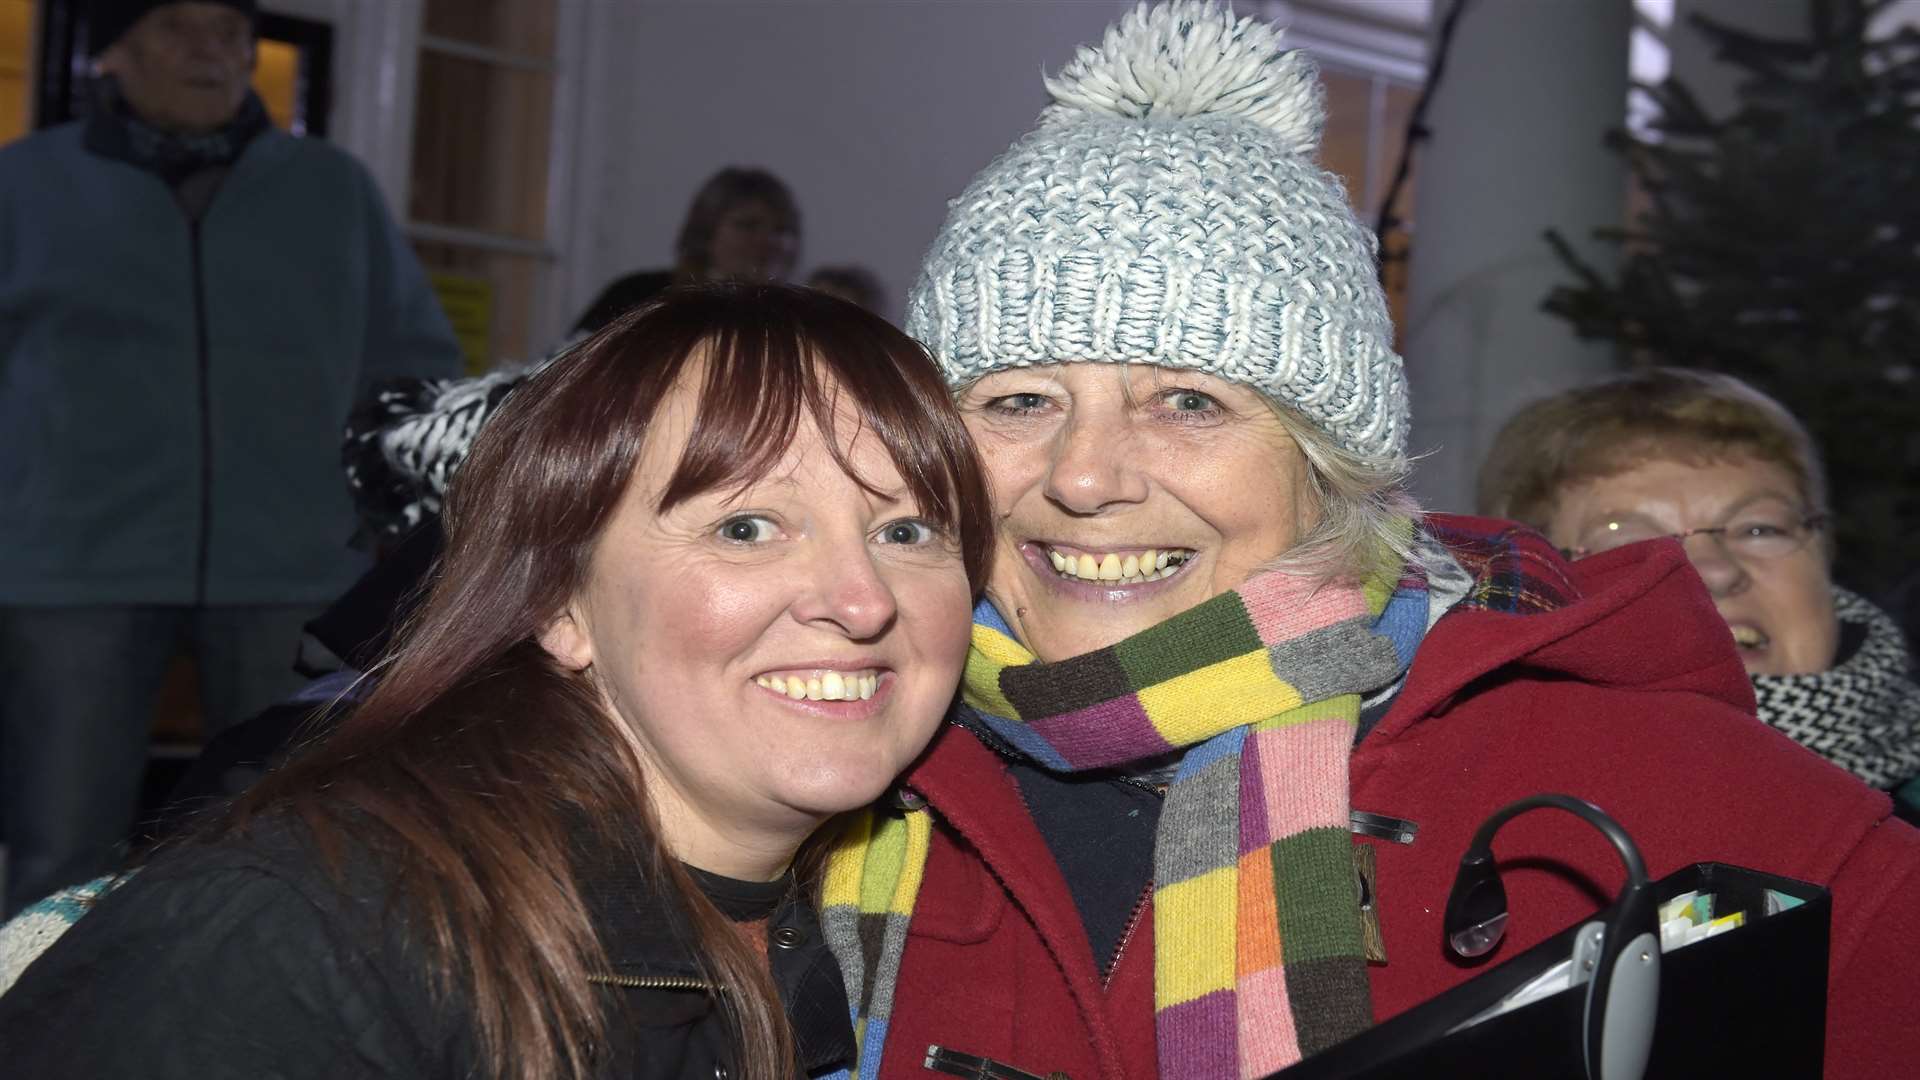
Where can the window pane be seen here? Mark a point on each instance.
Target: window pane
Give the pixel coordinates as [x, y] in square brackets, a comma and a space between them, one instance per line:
[276, 78]
[490, 297]
[480, 146]
[524, 27]
[16, 68]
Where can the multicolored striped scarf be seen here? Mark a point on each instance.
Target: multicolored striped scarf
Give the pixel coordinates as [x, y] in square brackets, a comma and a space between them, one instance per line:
[1258, 959]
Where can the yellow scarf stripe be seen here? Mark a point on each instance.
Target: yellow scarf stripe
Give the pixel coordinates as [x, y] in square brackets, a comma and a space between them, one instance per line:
[885, 864]
[1191, 707]
[918, 831]
[845, 861]
[992, 651]
[1338, 707]
[1197, 956]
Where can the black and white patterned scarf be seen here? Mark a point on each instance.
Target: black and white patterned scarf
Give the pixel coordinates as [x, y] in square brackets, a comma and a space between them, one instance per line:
[1863, 714]
[404, 442]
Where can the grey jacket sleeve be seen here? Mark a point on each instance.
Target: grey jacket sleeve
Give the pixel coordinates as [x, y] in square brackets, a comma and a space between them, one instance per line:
[407, 332]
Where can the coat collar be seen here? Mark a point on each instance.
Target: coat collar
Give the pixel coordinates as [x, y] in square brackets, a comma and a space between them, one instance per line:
[969, 787]
[646, 932]
[1587, 621]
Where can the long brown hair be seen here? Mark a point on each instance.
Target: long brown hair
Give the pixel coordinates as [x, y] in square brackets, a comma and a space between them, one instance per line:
[477, 757]
[721, 192]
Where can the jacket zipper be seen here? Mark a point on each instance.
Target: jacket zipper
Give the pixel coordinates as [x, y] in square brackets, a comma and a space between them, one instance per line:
[206, 416]
[1359, 822]
[1133, 924]
[653, 982]
[1139, 903]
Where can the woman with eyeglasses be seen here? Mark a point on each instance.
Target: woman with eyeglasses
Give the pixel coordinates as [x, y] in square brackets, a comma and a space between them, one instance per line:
[1709, 461]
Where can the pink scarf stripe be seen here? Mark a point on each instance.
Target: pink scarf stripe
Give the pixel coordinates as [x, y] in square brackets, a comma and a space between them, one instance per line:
[1283, 607]
[1268, 1041]
[1299, 767]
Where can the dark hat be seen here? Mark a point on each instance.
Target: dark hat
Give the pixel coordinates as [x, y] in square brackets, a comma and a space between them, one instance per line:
[111, 18]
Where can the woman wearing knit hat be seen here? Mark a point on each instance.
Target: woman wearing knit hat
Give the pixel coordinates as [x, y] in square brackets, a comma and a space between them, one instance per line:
[1233, 707]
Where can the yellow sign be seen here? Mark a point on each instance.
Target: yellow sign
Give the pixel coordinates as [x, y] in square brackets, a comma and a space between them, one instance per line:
[468, 302]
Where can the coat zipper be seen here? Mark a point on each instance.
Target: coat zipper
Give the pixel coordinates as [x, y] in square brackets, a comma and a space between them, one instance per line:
[654, 982]
[1139, 903]
[1133, 924]
[1359, 822]
[206, 415]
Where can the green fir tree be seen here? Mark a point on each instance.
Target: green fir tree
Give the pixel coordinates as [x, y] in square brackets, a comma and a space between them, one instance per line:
[1781, 244]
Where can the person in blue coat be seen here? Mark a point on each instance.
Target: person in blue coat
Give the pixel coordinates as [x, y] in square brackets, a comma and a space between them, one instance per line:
[190, 303]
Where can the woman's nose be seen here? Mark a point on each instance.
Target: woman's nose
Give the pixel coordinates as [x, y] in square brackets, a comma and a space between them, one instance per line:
[1095, 465]
[846, 594]
[1721, 571]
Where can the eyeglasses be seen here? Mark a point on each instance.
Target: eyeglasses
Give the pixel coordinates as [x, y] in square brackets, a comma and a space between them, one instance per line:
[1760, 534]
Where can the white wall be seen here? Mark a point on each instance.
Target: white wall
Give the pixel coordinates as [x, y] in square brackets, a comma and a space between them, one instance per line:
[1516, 148]
[875, 112]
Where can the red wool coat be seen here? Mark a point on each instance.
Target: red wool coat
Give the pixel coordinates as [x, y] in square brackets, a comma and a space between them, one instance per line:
[1629, 695]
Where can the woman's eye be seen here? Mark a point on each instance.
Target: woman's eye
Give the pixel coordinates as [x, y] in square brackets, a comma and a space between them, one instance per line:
[1757, 529]
[1018, 403]
[1190, 401]
[747, 529]
[908, 531]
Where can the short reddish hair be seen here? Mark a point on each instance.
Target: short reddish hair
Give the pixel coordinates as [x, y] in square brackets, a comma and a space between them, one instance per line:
[1654, 414]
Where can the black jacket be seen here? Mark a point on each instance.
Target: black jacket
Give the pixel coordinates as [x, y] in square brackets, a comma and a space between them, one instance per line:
[242, 959]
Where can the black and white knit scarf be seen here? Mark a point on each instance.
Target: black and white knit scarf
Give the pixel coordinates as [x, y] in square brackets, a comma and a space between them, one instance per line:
[1863, 714]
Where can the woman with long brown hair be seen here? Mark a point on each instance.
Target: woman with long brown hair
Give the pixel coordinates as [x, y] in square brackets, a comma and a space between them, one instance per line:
[705, 586]
[743, 225]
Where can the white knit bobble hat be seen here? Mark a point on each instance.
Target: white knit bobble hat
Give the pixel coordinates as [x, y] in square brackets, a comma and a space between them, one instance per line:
[1167, 210]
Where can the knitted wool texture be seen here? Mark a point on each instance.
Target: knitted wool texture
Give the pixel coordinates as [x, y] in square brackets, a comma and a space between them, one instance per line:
[1863, 714]
[1258, 958]
[38, 925]
[1167, 210]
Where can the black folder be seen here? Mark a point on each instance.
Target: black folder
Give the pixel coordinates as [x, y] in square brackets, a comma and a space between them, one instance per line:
[1750, 1002]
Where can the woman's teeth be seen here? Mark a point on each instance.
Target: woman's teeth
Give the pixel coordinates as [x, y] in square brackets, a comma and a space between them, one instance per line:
[1131, 569]
[824, 685]
[1748, 637]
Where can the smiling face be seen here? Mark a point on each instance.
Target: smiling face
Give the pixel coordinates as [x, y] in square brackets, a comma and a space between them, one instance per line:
[1780, 609]
[1124, 494]
[184, 67]
[780, 652]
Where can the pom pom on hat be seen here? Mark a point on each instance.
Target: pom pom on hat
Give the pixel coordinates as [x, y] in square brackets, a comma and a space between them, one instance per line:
[1168, 210]
[1193, 58]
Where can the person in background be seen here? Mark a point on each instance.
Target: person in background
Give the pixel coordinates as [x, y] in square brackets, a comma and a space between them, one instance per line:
[1707, 460]
[190, 303]
[852, 283]
[743, 226]
[1235, 707]
[705, 586]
